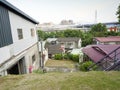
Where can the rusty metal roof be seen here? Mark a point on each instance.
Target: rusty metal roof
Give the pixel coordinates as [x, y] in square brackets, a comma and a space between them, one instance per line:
[97, 52]
[69, 39]
[54, 49]
[108, 39]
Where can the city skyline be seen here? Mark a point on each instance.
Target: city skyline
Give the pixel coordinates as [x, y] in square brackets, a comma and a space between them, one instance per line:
[80, 11]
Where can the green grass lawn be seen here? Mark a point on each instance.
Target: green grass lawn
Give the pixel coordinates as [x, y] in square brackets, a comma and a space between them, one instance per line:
[61, 63]
[94, 80]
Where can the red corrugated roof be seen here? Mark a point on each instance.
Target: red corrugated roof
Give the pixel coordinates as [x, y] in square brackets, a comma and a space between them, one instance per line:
[97, 52]
[108, 39]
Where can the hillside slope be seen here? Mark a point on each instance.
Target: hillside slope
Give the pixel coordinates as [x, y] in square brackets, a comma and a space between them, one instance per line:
[62, 81]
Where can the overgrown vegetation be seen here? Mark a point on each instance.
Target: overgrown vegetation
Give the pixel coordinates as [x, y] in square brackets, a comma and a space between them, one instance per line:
[85, 65]
[72, 57]
[58, 56]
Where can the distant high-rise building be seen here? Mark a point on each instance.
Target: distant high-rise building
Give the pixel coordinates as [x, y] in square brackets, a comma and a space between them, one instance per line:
[66, 22]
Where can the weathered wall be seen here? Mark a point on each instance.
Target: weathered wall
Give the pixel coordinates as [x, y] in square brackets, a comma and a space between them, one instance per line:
[27, 54]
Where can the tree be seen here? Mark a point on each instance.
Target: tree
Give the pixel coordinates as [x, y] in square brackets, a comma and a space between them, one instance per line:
[99, 28]
[87, 39]
[40, 34]
[59, 34]
[118, 13]
[72, 33]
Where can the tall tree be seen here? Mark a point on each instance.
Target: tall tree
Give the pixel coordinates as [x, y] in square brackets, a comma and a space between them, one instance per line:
[118, 13]
[40, 35]
[99, 28]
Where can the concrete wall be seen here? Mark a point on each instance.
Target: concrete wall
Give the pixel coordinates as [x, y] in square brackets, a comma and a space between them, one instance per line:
[26, 47]
[27, 54]
[79, 43]
[44, 51]
[27, 41]
[18, 45]
[28, 57]
[5, 53]
[73, 45]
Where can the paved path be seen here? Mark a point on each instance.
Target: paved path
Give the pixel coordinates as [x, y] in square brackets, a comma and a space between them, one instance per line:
[60, 66]
[59, 69]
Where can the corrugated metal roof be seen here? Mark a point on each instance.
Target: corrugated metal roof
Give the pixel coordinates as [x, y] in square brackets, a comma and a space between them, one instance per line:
[97, 52]
[17, 11]
[54, 49]
[69, 39]
[108, 39]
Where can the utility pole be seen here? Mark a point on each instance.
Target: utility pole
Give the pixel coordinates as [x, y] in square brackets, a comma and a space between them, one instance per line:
[42, 60]
[38, 40]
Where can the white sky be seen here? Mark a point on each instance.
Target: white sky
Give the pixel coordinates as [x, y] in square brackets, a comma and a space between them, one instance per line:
[82, 11]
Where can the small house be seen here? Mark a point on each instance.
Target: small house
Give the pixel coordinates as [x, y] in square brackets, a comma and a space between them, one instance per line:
[18, 41]
[70, 42]
[107, 40]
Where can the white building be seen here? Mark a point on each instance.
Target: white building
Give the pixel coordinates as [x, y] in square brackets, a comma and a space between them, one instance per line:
[18, 41]
[70, 42]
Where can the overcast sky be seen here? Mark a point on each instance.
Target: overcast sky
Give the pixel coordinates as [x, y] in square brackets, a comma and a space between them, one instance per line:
[82, 11]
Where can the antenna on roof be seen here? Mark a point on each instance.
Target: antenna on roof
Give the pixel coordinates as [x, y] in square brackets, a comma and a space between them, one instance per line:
[95, 16]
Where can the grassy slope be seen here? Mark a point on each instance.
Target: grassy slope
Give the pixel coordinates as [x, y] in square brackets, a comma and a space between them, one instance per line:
[62, 81]
[61, 63]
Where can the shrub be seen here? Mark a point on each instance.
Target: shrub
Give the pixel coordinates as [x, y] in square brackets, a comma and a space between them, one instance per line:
[38, 71]
[70, 56]
[75, 58]
[66, 56]
[84, 66]
[58, 57]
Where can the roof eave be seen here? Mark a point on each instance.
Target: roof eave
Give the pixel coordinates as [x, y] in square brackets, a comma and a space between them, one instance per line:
[17, 11]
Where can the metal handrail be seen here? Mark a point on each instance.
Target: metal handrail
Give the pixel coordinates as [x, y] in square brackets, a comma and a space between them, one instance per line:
[104, 58]
[109, 68]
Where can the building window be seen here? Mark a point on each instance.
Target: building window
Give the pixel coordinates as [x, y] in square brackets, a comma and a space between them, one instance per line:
[20, 34]
[69, 44]
[62, 43]
[33, 59]
[32, 32]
